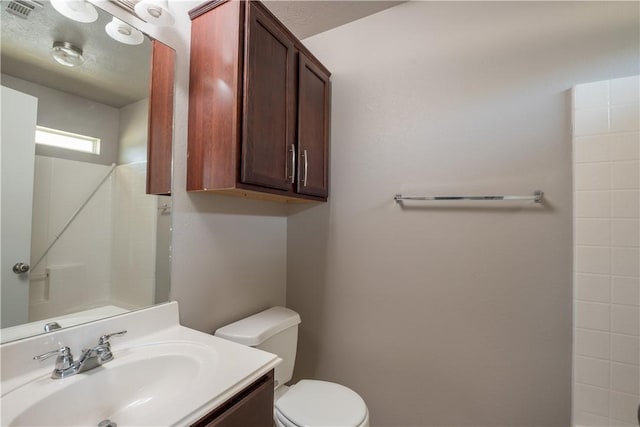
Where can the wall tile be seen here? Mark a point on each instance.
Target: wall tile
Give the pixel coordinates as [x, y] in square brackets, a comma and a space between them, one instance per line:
[624, 378]
[592, 343]
[593, 121]
[592, 260]
[624, 118]
[624, 146]
[625, 262]
[593, 148]
[626, 290]
[625, 175]
[591, 95]
[591, 399]
[622, 91]
[592, 287]
[618, 423]
[625, 319]
[587, 419]
[624, 407]
[606, 180]
[625, 204]
[592, 232]
[592, 204]
[592, 176]
[590, 315]
[625, 232]
[625, 349]
[592, 371]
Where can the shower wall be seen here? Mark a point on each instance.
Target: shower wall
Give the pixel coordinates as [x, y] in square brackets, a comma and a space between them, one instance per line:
[107, 256]
[606, 381]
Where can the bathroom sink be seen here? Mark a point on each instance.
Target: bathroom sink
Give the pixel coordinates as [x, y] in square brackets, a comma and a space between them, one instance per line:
[142, 385]
[161, 374]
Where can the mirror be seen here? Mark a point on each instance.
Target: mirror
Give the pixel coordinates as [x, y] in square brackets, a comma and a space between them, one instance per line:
[99, 245]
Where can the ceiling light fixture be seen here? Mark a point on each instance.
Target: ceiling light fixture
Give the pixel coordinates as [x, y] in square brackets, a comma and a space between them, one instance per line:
[77, 10]
[155, 12]
[123, 32]
[67, 54]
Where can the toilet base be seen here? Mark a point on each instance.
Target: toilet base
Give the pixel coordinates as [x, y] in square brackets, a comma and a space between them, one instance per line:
[282, 421]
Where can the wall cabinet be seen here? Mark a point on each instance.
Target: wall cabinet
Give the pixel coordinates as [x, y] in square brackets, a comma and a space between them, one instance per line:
[160, 135]
[252, 407]
[258, 107]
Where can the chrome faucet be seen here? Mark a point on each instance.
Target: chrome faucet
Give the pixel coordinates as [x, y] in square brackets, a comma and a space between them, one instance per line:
[89, 359]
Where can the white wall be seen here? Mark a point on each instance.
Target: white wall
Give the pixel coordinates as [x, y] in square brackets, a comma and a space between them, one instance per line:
[451, 314]
[108, 253]
[79, 264]
[606, 145]
[133, 253]
[79, 115]
[134, 130]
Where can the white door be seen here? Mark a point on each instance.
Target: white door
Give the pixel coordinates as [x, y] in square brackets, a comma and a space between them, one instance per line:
[17, 154]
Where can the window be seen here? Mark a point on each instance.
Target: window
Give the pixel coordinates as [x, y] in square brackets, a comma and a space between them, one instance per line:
[67, 140]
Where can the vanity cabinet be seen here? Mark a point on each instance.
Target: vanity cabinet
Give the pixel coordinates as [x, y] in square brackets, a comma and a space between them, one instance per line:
[258, 107]
[252, 407]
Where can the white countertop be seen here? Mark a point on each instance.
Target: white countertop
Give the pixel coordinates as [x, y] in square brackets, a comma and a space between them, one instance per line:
[225, 369]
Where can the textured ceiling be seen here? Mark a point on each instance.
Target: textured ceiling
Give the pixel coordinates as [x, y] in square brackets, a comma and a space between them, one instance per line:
[116, 74]
[308, 17]
[113, 73]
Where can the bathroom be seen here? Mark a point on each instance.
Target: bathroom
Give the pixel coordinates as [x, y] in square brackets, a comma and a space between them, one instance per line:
[436, 314]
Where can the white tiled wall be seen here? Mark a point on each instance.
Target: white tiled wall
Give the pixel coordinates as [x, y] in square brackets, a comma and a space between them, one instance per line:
[606, 147]
[135, 216]
[107, 255]
[76, 274]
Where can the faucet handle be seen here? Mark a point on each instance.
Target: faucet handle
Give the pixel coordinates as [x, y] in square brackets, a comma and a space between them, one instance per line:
[105, 338]
[61, 352]
[64, 363]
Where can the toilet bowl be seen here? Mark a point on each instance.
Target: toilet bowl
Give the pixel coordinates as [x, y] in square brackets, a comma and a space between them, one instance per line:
[308, 403]
[320, 403]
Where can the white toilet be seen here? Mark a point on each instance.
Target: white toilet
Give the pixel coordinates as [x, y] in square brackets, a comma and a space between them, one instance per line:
[308, 403]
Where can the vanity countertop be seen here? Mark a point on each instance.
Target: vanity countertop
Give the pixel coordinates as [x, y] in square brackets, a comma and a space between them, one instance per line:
[184, 373]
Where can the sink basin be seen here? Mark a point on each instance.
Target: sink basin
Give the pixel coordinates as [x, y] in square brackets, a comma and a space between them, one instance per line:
[162, 374]
[138, 387]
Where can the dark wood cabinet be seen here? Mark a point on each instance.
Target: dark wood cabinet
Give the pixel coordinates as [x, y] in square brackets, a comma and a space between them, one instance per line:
[268, 105]
[313, 128]
[160, 134]
[258, 107]
[252, 407]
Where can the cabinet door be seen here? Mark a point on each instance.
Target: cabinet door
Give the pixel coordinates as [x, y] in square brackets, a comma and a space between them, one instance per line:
[313, 128]
[159, 151]
[252, 407]
[269, 113]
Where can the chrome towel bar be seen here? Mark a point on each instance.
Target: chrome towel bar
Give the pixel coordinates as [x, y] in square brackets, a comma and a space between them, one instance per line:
[536, 197]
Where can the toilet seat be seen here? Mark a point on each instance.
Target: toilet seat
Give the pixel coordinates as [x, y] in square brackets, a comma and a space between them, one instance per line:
[312, 403]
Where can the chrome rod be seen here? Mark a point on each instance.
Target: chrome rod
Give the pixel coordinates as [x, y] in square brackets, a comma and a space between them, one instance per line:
[536, 197]
[306, 167]
[292, 177]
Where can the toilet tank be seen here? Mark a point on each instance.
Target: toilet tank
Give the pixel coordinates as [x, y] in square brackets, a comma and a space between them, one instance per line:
[274, 330]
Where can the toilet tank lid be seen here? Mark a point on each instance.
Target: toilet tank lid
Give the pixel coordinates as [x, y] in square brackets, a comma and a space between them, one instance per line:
[256, 329]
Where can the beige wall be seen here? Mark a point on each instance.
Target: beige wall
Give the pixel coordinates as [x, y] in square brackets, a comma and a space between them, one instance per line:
[451, 314]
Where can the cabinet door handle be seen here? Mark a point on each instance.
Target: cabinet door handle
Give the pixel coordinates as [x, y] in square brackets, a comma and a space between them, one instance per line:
[306, 167]
[292, 150]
